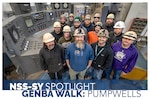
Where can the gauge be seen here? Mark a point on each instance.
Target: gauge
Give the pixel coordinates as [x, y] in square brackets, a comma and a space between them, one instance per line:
[57, 5]
[65, 5]
[15, 35]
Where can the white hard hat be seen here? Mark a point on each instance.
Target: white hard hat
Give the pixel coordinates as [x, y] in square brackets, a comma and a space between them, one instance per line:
[110, 16]
[57, 24]
[66, 29]
[119, 24]
[48, 37]
[130, 35]
[79, 32]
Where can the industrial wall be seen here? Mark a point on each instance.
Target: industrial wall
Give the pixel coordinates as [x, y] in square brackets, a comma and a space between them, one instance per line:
[137, 10]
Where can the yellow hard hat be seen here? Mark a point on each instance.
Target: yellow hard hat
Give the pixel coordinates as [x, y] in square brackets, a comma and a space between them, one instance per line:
[48, 37]
[130, 35]
[104, 33]
[57, 24]
[110, 16]
[79, 32]
[66, 29]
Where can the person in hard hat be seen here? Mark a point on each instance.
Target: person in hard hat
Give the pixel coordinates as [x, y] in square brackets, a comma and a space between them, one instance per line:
[103, 55]
[63, 21]
[109, 22]
[77, 24]
[125, 55]
[96, 18]
[116, 34]
[71, 19]
[92, 35]
[66, 39]
[52, 57]
[87, 23]
[57, 33]
[79, 56]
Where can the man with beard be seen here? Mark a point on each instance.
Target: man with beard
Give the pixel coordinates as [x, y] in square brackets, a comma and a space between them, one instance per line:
[103, 55]
[87, 23]
[52, 57]
[77, 24]
[125, 55]
[109, 22]
[79, 56]
[92, 35]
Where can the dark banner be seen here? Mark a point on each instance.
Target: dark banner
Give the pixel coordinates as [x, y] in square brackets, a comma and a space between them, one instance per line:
[74, 85]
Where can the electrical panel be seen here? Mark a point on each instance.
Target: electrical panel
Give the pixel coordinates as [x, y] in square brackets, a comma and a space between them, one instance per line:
[61, 8]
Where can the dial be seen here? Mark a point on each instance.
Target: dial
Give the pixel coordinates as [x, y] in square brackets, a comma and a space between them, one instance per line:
[15, 35]
[56, 5]
[65, 5]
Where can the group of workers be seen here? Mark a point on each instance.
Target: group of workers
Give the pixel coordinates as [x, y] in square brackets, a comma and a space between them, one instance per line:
[87, 49]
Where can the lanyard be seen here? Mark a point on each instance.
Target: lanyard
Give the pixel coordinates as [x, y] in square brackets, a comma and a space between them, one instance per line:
[96, 54]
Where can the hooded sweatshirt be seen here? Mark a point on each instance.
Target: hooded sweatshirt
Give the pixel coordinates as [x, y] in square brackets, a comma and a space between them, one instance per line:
[124, 59]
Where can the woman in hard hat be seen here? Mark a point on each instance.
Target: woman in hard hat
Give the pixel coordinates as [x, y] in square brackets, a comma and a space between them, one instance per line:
[92, 35]
[52, 57]
[125, 55]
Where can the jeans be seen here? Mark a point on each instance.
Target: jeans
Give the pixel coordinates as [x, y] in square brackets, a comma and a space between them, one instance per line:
[94, 73]
[56, 75]
[108, 73]
[117, 74]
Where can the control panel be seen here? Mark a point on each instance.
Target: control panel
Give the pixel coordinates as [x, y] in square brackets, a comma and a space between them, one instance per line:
[35, 22]
[22, 39]
[22, 36]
